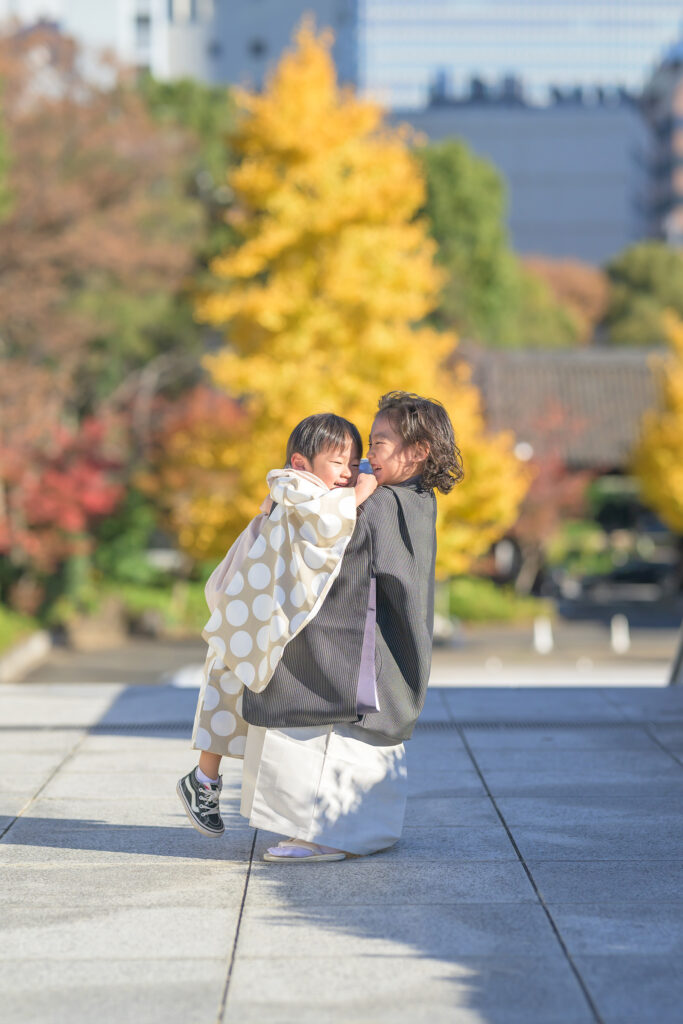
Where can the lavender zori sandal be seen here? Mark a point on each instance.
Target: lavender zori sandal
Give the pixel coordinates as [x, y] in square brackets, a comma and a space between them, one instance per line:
[298, 851]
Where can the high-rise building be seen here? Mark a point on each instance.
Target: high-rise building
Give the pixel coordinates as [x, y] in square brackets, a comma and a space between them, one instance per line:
[570, 169]
[406, 47]
[662, 106]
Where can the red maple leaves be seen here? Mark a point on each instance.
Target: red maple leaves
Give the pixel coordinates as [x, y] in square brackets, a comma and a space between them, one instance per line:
[53, 489]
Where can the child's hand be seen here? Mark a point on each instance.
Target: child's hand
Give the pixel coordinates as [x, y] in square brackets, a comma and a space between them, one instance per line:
[364, 488]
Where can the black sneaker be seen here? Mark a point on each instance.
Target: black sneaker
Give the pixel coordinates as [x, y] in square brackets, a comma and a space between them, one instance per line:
[201, 804]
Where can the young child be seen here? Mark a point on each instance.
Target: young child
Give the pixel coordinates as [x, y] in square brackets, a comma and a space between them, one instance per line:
[290, 555]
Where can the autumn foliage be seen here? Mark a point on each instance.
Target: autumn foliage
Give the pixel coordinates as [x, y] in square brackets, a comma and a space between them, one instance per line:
[96, 236]
[657, 459]
[583, 290]
[189, 473]
[323, 300]
[556, 492]
[90, 226]
[52, 490]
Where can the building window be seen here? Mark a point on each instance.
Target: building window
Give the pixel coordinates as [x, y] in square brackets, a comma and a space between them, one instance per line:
[180, 10]
[143, 31]
[214, 49]
[257, 48]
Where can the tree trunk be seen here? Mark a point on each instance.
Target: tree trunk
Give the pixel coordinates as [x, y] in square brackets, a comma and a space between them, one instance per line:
[676, 677]
[532, 561]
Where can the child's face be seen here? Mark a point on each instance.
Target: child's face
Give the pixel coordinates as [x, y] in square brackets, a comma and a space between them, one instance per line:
[392, 461]
[336, 467]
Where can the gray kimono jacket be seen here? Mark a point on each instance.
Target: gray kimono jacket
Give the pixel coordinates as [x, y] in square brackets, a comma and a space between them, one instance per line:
[316, 682]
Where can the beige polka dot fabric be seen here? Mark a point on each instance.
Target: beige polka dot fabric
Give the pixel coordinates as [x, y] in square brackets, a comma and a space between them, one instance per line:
[219, 726]
[279, 573]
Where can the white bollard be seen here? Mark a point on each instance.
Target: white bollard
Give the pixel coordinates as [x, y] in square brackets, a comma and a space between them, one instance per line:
[543, 635]
[24, 656]
[620, 634]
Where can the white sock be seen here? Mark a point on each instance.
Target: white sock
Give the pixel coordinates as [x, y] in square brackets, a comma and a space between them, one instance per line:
[201, 777]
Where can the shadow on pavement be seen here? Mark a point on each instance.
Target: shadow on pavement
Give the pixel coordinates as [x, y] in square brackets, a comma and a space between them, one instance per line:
[473, 916]
[92, 834]
[160, 711]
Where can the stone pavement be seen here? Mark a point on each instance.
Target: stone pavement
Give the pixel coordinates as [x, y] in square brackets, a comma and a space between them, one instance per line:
[539, 879]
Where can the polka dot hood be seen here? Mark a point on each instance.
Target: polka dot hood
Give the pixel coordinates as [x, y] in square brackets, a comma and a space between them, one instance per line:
[270, 585]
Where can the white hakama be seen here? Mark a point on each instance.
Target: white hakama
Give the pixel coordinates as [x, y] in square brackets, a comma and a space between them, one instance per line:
[333, 784]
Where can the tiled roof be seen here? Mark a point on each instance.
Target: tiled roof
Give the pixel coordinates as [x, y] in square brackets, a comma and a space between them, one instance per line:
[603, 393]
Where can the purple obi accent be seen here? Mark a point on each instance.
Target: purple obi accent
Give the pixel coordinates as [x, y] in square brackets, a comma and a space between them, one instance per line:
[366, 693]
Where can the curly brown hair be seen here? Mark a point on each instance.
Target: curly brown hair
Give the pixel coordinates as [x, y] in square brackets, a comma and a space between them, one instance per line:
[425, 422]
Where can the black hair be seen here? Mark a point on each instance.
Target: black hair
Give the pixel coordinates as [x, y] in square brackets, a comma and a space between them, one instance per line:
[320, 433]
[424, 421]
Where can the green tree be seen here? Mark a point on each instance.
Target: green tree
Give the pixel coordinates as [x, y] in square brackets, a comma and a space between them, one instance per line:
[537, 320]
[580, 288]
[5, 191]
[207, 113]
[203, 116]
[645, 280]
[466, 210]
[488, 295]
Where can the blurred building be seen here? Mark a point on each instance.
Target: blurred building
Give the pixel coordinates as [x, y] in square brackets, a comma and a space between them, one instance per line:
[662, 106]
[405, 45]
[393, 50]
[572, 167]
[603, 393]
[216, 41]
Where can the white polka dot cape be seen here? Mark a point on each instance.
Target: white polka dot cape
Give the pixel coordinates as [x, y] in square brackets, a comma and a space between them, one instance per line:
[270, 585]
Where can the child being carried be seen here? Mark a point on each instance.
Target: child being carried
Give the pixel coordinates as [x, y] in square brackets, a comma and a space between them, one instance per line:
[269, 586]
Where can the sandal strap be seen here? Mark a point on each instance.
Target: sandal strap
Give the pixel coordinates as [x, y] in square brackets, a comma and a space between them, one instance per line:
[305, 844]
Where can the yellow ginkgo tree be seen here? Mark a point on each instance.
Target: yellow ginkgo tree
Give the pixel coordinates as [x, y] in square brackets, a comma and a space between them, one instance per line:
[658, 457]
[323, 302]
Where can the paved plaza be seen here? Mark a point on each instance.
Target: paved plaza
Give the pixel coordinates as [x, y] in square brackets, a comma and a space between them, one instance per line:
[539, 879]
